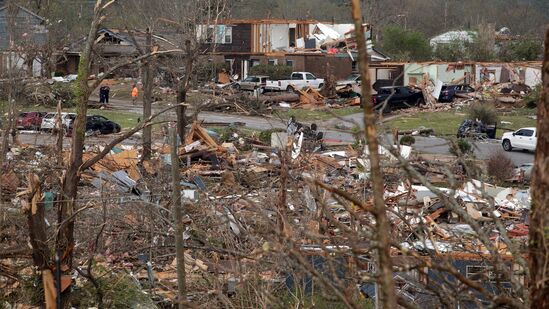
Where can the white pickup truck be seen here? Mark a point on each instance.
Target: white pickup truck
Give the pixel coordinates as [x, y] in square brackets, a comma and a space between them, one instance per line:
[298, 80]
[525, 138]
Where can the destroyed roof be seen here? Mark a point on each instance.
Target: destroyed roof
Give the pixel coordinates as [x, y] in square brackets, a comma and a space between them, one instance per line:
[121, 41]
[451, 36]
[29, 12]
[25, 22]
[270, 21]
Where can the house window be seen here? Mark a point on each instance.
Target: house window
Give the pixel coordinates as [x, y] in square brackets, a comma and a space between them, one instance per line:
[228, 36]
[273, 61]
[254, 62]
[290, 63]
[219, 34]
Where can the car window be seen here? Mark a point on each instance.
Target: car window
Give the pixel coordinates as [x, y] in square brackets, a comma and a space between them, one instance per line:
[296, 76]
[247, 79]
[23, 115]
[48, 116]
[310, 76]
[397, 90]
[524, 132]
[255, 79]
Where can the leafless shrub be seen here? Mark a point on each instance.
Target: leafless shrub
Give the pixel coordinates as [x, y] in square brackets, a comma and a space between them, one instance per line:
[499, 166]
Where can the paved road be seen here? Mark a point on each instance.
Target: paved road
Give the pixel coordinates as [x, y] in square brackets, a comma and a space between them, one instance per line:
[482, 150]
[433, 145]
[436, 145]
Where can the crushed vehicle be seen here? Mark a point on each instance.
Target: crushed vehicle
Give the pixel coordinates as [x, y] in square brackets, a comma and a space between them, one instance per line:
[48, 122]
[476, 129]
[99, 124]
[449, 92]
[397, 97]
[30, 120]
[349, 81]
[297, 80]
[252, 83]
[524, 138]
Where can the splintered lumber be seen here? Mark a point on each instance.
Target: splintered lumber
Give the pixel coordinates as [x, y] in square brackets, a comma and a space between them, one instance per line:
[199, 133]
[126, 160]
[430, 100]
[309, 98]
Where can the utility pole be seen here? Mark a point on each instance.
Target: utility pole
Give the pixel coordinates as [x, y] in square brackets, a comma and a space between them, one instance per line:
[178, 223]
[147, 97]
[445, 15]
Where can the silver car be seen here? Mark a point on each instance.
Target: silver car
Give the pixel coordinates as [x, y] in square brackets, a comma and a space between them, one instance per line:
[252, 83]
[353, 79]
[48, 122]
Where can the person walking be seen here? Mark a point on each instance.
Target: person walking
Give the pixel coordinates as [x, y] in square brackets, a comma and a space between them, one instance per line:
[135, 93]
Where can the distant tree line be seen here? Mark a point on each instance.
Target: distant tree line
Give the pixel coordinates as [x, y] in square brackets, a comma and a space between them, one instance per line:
[411, 45]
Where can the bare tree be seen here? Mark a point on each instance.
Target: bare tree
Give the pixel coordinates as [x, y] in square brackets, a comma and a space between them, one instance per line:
[539, 217]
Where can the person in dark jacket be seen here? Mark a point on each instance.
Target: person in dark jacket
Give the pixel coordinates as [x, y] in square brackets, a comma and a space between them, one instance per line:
[104, 94]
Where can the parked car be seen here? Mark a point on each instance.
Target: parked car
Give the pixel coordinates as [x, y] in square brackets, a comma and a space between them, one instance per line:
[48, 122]
[30, 120]
[448, 92]
[98, 123]
[349, 81]
[298, 80]
[397, 97]
[252, 83]
[525, 138]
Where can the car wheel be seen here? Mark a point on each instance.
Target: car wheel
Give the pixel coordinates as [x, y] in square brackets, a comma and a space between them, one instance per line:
[321, 86]
[507, 145]
[237, 87]
[290, 89]
[420, 101]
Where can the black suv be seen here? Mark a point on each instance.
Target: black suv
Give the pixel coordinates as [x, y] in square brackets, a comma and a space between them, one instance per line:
[448, 92]
[397, 97]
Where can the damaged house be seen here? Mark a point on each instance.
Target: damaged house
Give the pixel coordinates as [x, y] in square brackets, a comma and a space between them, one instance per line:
[305, 45]
[22, 33]
[113, 45]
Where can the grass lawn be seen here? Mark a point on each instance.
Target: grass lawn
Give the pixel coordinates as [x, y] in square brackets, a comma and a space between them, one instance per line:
[320, 114]
[447, 122]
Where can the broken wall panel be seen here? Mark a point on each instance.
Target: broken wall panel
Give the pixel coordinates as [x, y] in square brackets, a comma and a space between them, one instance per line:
[280, 37]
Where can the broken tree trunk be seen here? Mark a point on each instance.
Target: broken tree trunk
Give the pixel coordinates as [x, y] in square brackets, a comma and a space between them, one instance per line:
[178, 223]
[182, 93]
[66, 202]
[384, 277]
[147, 98]
[539, 215]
